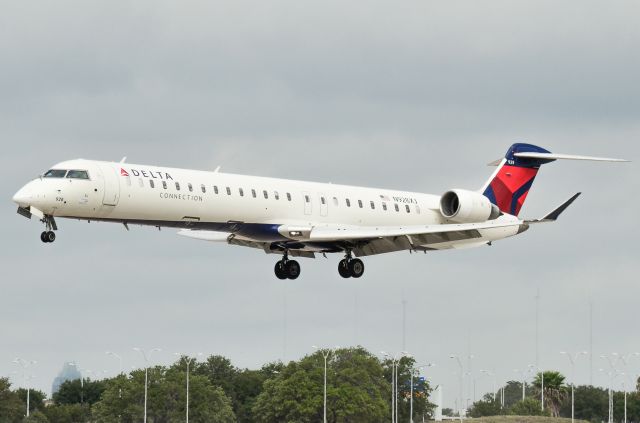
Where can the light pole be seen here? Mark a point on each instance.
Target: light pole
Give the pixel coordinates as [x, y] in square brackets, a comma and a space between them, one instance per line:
[523, 373]
[146, 374]
[625, 362]
[493, 377]
[457, 358]
[395, 360]
[413, 369]
[326, 352]
[25, 364]
[572, 359]
[188, 360]
[112, 354]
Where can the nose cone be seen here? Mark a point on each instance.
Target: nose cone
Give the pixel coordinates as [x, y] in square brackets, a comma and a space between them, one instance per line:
[23, 197]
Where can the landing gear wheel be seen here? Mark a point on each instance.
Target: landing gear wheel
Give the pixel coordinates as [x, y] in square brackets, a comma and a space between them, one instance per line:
[292, 269]
[356, 268]
[43, 237]
[343, 269]
[50, 236]
[279, 270]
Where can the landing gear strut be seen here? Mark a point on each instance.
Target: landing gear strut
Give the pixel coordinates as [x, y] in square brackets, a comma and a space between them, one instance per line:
[287, 269]
[49, 235]
[350, 267]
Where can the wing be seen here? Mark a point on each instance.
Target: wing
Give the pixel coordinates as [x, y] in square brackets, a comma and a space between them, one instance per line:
[366, 240]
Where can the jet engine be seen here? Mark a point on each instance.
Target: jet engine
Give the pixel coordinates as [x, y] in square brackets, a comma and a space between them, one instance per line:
[464, 206]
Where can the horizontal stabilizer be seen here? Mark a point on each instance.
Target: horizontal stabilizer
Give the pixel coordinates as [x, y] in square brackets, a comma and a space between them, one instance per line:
[553, 215]
[554, 156]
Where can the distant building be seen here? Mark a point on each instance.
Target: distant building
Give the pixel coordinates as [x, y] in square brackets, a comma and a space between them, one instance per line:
[68, 372]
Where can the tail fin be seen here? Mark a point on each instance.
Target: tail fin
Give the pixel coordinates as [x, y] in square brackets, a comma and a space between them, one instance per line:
[510, 183]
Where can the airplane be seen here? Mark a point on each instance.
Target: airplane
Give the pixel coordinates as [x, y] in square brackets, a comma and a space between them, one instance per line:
[288, 217]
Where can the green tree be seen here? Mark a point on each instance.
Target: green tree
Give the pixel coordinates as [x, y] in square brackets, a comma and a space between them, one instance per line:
[555, 391]
[67, 413]
[421, 405]
[36, 417]
[513, 393]
[11, 410]
[487, 406]
[36, 399]
[591, 403]
[76, 392]
[356, 390]
[123, 398]
[528, 407]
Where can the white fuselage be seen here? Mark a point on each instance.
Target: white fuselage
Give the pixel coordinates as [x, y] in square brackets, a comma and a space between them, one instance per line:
[253, 208]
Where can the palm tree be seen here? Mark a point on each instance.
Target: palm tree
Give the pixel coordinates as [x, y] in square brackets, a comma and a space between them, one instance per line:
[555, 391]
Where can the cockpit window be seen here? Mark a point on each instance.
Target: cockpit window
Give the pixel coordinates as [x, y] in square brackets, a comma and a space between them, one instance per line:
[78, 174]
[55, 173]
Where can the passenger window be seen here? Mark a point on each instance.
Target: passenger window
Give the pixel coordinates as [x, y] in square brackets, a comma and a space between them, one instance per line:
[241, 192]
[406, 206]
[141, 182]
[360, 203]
[335, 201]
[151, 183]
[55, 173]
[417, 209]
[384, 206]
[307, 199]
[190, 187]
[397, 208]
[276, 195]
[215, 189]
[373, 205]
[348, 202]
[164, 184]
[77, 174]
[322, 200]
[253, 193]
[265, 193]
[228, 191]
[204, 190]
[288, 196]
[177, 186]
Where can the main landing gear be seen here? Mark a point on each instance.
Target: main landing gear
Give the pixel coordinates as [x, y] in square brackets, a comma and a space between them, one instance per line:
[350, 267]
[287, 269]
[49, 235]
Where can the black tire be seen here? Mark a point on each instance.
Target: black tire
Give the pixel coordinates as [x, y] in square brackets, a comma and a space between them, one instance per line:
[292, 269]
[43, 237]
[343, 269]
[51, 236]
[356, 268]
[279, 270]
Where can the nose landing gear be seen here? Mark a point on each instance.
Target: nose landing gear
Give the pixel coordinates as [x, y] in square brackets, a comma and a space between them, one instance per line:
[49, 235]
[350, 267]
[287, 269]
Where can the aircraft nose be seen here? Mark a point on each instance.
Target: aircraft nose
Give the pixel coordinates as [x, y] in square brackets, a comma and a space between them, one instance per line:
[24, 196]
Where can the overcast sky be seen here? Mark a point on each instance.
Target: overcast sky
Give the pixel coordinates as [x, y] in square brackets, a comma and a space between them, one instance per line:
[415, 95]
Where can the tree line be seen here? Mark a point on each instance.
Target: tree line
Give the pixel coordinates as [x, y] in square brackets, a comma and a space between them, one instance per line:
[590, 403]
[358, 390]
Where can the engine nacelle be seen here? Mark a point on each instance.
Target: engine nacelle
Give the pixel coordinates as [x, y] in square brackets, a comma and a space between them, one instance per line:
[464, 206]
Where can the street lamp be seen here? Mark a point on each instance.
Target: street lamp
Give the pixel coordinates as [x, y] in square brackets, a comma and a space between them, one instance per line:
[457, 358]
[523, 373]
[493, 377]
[572, 360]
[325, 354]
[117, 357]
[188, 360]
[413, 369]
[395, 360]
[625, 361]
[25, 365]
[146, 373]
